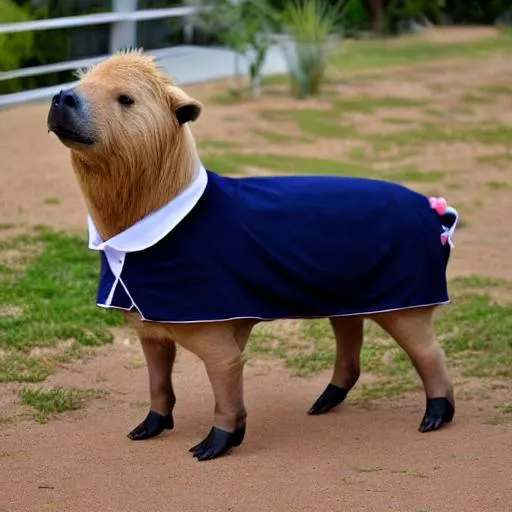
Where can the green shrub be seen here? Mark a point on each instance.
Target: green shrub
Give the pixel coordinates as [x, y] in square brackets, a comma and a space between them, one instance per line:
[476, 11]
[399, 12]
[310, 25]
[14, 48]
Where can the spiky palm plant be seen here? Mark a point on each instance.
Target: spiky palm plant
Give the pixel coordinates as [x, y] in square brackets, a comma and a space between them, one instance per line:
[310, 24]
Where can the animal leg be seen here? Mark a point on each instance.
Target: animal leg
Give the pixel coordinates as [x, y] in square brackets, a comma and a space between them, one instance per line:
[160, 356]
[222, 358]
[243, 332]
[348, 332]
[413, 330]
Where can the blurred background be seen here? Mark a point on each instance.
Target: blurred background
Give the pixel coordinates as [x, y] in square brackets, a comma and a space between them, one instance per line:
[418, 92]
[47, 44]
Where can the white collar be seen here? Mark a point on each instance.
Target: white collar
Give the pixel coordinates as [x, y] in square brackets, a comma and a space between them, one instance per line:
[152, 228]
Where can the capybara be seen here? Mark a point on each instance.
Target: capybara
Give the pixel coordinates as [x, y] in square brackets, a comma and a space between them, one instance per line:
[198, 259]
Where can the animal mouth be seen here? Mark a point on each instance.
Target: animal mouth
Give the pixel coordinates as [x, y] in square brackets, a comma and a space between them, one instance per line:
[64, 133]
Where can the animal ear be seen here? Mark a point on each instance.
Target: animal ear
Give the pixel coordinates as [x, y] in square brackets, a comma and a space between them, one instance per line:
[185, 108]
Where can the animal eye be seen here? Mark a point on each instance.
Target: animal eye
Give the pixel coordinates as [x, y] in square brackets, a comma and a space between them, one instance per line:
[125, 100]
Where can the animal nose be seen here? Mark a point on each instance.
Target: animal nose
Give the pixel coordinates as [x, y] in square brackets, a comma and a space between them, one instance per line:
[68, 98]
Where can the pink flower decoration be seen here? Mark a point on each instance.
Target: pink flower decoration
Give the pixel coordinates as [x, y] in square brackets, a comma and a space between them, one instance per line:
[439, 204]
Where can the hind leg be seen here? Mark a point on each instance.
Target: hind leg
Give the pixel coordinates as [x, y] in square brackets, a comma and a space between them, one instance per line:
[160, 355]
[348, 332]
[413, 330]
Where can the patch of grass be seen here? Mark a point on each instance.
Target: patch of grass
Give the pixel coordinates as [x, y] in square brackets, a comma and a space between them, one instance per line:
[278, 79]
[4, 226]
[381, 54]
[497, 89]
[505, 408]
[229, 97]
[48, 402]
[50, 286]
[136, 364]
[370, 105]
[397, 120]
[474, 331]
[238, 163]
[321, 124]
[275, 137]
[15, 366]
[51, 200]
[473, 98]
[436, 112]
[503, 416]
[501, 161]
[413, 174]
[367, 469]
[498, 185]
[418, 473]
[495, 134]
[329, 124]
[358, 153]
[205, 144]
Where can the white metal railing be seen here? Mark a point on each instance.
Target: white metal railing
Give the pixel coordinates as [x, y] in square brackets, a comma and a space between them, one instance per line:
[123, 34]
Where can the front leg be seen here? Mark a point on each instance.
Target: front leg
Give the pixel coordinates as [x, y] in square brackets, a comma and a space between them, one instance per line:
[160, 355]
[217, 346]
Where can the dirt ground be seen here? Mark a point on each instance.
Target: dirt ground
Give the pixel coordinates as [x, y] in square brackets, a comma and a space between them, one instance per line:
[368, 458]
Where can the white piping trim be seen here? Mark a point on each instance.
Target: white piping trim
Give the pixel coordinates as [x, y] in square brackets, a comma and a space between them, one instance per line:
[131, 298]
[282, 317]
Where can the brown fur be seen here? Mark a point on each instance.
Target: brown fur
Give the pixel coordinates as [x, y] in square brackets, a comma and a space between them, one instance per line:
[142, 159]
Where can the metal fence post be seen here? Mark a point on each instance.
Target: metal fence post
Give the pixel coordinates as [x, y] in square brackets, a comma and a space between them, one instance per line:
[123, 34]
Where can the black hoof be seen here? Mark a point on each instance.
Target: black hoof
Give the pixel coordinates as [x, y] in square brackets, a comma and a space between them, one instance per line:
[217, 443]
[331, 397]
[438, 412]
[153, 424]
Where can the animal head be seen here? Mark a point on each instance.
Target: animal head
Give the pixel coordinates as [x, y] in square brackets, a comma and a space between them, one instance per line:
[123, 107]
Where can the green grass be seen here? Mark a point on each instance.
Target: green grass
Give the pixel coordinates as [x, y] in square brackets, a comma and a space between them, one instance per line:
[474, 331]
[15, 366]
[205, 144]
[436, 112]
[382, 54]
[413, 174]
[367, 469]
[498, 185]
[49, 402]
[482, 133]
[497, 89]
[285, 164]
[275, 137]
[322, 124]
[237, 163]
[398, 120]
[473, 98]
[51, 200]
[49, 296]
[500, 161]
[370, 105]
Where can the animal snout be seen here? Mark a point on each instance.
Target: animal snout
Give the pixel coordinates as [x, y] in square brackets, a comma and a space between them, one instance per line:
[68, 119]
[68, 98]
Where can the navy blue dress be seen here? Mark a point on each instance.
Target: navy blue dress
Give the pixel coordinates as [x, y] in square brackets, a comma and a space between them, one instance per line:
[284, 247]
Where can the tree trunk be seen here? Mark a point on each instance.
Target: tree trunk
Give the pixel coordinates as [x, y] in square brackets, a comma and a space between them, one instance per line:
[377, 14]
